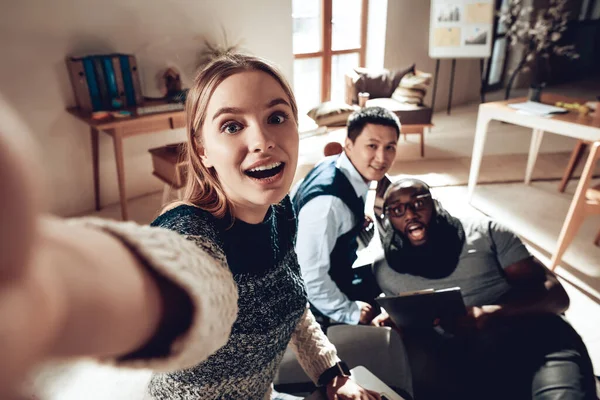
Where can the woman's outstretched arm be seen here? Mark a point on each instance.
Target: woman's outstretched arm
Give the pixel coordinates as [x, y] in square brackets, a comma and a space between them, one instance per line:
[122, 292]
[81, 293]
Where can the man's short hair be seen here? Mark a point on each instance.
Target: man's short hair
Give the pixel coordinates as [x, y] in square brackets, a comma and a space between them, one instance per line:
[371, 115]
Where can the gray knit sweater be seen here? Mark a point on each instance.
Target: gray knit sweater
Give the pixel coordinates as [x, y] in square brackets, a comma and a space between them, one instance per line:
[272, 305]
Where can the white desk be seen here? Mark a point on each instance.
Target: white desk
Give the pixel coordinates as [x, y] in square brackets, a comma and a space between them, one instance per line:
[571, 124]
[366, 379]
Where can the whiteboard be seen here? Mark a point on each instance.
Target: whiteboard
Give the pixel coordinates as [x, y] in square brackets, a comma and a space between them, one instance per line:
[461, 28]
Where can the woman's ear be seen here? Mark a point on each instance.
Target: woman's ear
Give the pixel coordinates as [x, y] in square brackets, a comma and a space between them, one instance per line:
[206, 161]
[202, 155]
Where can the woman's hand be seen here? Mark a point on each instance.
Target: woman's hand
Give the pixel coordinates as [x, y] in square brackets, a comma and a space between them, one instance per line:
[21, 343]
[18, 208]
[343, 388]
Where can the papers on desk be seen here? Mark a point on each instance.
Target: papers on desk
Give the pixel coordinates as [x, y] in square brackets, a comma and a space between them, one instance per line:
[539, 109]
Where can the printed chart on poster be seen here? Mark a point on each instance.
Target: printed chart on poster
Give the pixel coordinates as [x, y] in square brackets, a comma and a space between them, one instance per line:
[461, 28]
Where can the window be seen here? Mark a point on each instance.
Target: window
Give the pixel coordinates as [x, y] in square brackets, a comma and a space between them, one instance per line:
[496, 65]
[329, 40]
[590, 9]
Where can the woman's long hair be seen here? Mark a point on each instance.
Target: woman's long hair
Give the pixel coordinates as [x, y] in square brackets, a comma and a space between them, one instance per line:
[203, 188]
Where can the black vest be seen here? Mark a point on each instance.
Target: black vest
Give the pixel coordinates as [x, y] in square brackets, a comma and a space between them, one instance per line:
[326, 179]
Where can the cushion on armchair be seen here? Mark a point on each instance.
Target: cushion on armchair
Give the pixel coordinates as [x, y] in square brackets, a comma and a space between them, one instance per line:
[378, 83]
[411, 96]
[412, 88]
[418, 80]
[407, 103]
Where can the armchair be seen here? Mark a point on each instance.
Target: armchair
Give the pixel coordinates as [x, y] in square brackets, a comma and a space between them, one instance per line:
[415, 118]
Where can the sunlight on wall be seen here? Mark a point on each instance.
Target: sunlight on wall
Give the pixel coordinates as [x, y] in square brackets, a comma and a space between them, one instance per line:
[376, 26]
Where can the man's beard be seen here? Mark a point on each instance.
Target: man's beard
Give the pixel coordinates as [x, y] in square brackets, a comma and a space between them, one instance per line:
[435, 259]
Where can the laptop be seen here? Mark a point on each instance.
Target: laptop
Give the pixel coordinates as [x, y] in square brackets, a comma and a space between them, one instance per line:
[424, 307]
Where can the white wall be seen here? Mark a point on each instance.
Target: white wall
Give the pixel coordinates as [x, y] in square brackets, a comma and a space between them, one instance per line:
[407, 42]
[37, 35]
[376, 27]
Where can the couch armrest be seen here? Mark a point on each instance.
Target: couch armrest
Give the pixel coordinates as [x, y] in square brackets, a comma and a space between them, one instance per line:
[350, 80]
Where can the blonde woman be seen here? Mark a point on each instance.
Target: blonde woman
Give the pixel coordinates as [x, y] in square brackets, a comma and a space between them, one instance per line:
[219, 308]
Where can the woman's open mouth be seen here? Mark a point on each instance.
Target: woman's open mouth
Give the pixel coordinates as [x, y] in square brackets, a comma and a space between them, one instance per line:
[267, 173]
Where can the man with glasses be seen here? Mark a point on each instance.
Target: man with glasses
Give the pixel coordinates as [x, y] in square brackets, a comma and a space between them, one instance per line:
[513, 343]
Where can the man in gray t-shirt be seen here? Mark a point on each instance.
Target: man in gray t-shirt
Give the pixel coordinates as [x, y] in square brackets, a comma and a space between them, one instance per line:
[487, 250]
[513, 343]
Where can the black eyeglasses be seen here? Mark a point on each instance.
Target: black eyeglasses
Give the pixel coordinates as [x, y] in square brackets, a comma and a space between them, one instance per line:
[417, 204]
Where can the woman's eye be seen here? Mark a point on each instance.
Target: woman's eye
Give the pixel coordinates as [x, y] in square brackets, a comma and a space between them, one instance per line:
[372, 146]
[419, 203]
[277, 118]
[231, 128]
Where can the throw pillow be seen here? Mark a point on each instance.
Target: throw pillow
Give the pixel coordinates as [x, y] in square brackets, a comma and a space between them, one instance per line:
[418, 80]
[379, 83]
[411, 96]
[412, 88]
[331, 113]
[401, 73]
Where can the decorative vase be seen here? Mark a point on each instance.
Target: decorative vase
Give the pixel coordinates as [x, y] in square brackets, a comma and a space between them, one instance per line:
[535, 92]
[540, 76]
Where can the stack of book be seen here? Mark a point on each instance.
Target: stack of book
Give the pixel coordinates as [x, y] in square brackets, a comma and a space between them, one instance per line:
[105, 82]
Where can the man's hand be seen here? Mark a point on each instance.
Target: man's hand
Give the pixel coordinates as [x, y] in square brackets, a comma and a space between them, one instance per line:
[366, 313]
[383, 319]
[477, 318]
[343, 388]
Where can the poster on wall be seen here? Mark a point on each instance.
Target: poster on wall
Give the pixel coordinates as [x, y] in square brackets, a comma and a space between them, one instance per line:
[461, 28]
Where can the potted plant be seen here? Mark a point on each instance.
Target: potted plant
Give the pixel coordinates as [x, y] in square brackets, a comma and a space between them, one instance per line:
[540, 37]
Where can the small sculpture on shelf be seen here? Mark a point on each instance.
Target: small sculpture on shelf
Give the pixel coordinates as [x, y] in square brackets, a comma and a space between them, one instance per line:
[172, 86]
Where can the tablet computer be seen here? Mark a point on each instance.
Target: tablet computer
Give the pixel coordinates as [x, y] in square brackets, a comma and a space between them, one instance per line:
[423, 307]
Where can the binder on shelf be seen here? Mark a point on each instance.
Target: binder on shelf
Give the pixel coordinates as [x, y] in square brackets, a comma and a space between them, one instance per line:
[127, 81]
[102, 84]
[80, 84]
[135, 77]
[111, 80]
[90, 74]
[119, 79]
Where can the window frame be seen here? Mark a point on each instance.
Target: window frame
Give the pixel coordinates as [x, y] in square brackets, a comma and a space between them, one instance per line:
[326, 54]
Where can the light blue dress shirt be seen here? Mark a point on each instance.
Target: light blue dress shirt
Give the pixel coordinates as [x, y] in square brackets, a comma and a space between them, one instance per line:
[321, 222]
